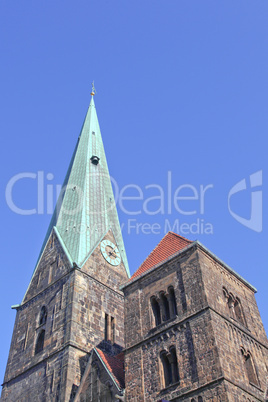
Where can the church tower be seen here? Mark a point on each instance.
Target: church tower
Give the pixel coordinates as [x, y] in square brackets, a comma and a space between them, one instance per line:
[193, 331]
[73, 303]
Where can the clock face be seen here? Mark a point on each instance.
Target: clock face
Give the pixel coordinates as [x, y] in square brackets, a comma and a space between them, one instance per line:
[110, 252]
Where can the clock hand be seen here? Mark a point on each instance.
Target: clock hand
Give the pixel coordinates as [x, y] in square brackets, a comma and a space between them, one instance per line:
[114, 254]
[111, 252]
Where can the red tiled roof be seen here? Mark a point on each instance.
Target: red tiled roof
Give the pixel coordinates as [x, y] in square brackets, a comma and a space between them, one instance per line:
[115, 364]
[169, 245]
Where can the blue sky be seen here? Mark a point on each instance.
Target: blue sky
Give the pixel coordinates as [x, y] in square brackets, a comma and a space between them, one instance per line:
[182, 92]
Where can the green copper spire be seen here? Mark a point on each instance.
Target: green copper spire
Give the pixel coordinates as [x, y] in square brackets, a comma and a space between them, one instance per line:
[86, 208]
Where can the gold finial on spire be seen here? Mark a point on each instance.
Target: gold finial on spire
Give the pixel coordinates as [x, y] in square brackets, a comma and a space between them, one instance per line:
[93, 92]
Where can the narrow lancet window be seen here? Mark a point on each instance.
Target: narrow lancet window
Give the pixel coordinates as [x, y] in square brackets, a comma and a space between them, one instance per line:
[156, 311]
[106, 328]
[112, 330]
[250, 369]
[174, 365]
[172, 302]
[166, 369]
[166, 312]
[238, 311]
[169, 367]
[43, 316]
[40, 342]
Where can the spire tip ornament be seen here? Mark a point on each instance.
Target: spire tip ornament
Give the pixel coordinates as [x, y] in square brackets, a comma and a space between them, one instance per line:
[93, 91]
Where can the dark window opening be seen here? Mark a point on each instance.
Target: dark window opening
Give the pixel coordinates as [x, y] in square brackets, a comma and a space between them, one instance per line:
[166, 369]
[251, 373]
[43, 316]
[174, 365]
[235, 307]
[94, 160]
[170, 371]
[165, 307]
[173, 303]
[225, 292]
[106, 328]
[112, 330]
[231, 304]
[40, 342]
[238, 311]
[156, 311]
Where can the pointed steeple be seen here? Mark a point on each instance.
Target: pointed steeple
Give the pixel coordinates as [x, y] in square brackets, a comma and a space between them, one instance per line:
[86, 208]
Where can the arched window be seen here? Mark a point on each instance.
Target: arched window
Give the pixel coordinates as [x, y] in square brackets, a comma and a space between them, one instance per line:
[169, 369]
[172, 302]
[43, 316]
[165, 305]
[235, 307]
[156, 311]
[40, 342]
[228, 299]
[231, 303]
[200, 399]
[166, 368]
[225, 292]
[238, 311]
[174, 364]
[249, 366]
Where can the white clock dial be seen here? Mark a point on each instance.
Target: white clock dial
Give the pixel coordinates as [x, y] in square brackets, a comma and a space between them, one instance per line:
[110, 252]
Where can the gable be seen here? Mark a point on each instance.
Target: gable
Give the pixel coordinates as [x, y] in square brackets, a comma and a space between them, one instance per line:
[115, 366]
[53, 264]
[103, 377]
[103, 268]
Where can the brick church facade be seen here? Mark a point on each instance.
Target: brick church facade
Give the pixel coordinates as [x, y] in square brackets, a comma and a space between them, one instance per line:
[183, 327]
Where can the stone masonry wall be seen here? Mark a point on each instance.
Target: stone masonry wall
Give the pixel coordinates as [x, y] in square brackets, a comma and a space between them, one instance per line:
[50, 287]
[196, 354]
[91, 301]
[190, 332]
[229, 340]
[52, 266]
[97, 267]
[76, 301]
[183, 274]
[207, 339]
[215, 277]
[231, 335]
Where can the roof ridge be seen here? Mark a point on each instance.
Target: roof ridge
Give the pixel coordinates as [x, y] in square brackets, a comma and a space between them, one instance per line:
[169, 232]
[177, 235]
[167, 246]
